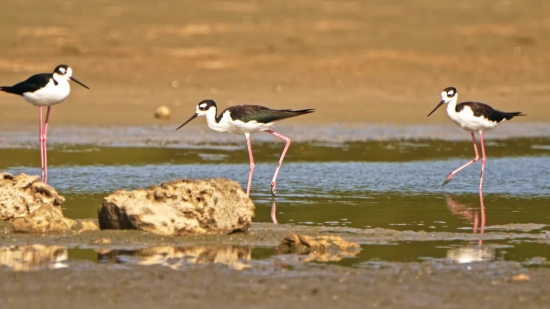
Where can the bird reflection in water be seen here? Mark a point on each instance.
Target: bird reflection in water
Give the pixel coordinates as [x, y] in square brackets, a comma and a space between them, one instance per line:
[273, 210]
[475, 217]
[473, 252]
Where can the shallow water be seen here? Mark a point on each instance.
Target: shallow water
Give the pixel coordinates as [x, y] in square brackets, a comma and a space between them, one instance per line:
[394, 184]
[35, 257]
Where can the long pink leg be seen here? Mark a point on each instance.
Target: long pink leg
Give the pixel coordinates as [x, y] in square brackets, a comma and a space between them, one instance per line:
[251, 163]
[41, 140]
[273, 181]
[465, 165]
[483, 159]
[45, 147]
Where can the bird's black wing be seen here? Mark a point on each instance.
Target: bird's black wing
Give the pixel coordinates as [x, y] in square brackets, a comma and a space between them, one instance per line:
[32, 84]
[261, 114]
[248, 113]
[486, 111]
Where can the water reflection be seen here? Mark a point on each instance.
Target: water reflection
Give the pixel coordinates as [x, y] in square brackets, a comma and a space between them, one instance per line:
[179, 257]
[273, 210]
[33, 257]
[473, 216]
[473, 252]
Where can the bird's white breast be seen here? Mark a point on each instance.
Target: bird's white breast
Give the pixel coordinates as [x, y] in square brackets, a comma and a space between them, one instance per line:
[228, 125]
[51, 94]
[468, 121]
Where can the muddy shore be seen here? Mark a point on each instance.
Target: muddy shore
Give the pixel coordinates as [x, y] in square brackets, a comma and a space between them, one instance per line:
[286, 280]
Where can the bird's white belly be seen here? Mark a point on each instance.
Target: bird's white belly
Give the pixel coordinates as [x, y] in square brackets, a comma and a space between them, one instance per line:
[467, 121]
[239, 127]
[50, 95]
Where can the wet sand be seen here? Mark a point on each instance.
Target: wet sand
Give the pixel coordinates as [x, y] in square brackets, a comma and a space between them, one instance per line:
[281, 282]
[208, 286]
[354, 62]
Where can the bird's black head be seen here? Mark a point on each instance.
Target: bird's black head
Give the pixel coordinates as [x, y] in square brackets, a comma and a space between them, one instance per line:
[447, 95]
[65, 72]
[205, 105]
[202, 110]
[63, 69]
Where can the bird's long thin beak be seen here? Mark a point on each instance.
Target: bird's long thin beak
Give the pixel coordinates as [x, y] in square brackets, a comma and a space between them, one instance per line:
[76, 81]
[192, 117]
[438, 105]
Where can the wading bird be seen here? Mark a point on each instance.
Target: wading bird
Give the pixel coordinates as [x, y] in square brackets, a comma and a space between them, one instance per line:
[45, 89]
[473, 117]
[246, 119]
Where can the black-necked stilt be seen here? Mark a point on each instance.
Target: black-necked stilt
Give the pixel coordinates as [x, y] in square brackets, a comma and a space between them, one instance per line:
[246, 119]
[45, 89]
[473, 117]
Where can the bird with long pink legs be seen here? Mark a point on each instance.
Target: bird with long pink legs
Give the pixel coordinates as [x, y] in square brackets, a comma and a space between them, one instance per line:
[246, 119]
[472, 117]
[45, 89]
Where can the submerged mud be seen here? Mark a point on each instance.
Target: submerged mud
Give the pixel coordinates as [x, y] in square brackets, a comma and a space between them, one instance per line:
[138, 269]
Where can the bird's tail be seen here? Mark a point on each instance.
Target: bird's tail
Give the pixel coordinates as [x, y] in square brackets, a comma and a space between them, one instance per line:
[8, 89]
[302, 111]
[511, 115]
[293, 113]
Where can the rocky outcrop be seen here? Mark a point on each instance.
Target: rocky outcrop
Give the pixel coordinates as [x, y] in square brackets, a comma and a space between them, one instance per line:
[32, 206]
[44, 219]
[21, 195]
[209, 206]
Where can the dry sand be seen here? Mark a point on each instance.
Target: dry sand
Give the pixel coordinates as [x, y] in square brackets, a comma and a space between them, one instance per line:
[382, 61]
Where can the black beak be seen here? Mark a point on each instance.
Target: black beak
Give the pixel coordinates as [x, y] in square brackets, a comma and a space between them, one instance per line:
[192, 117]
[76, 81]
[438, 105]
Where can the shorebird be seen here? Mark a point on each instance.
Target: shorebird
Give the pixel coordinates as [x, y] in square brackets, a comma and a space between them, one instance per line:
[246, 119]
[473, 117]
[45, 89]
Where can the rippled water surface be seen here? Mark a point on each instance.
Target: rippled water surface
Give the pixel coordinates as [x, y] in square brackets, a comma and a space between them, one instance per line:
[395, 184]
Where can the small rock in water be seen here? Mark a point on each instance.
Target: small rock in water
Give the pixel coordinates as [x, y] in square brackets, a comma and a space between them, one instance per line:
[162, 112]
[22, 194]
[45, 219]
[180, 207]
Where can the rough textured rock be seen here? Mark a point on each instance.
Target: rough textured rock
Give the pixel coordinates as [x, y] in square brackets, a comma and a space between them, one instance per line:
[44, 219]
[21, 195]
[209, 206]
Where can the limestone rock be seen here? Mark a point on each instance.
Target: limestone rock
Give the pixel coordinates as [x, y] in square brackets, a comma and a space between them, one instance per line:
[180, 207]
[45, 219]
[21, 195]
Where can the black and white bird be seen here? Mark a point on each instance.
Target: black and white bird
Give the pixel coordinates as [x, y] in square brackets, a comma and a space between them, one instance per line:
[246, 119]
[473, 117]
[45, 89]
